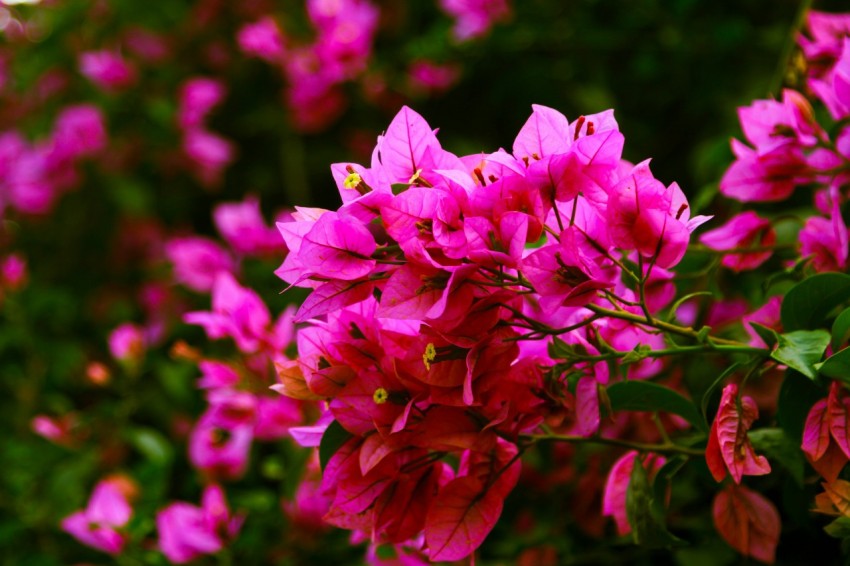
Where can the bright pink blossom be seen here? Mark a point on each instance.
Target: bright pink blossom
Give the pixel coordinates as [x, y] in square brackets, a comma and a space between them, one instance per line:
[474, 18]
[187, 531]
[209, 153]
[107, 69]
[99, 523]
[242, 225]
[826, 239]
[198, 261]
[262, 39]
[127, 343]
[197, 97]
[79, 131]
[740, 232]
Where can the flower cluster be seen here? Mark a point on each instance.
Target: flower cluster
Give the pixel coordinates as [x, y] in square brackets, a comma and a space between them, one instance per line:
[437, 290]
[36, 174]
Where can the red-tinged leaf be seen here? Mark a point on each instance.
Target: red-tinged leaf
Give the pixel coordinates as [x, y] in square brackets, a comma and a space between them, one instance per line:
[332, 296]
[713, 457]
[831, 463]
[730, 430]
[839, 422]
[460, 518]
[748, 522]
[816, 431]
[587, 406]
[839, 493]
[824, 505]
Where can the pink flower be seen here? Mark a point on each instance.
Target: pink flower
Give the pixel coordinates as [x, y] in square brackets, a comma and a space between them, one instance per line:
[432, 78]
[107, 69]
[98, 524]
[187, 531]
[79, 131]
[55, 429]
[219, 448]
[197, 261]
[209, 153]
[13, 272]
[197, 97]
[474, 18]
[262, 39]
[127, 343]
[742, 231]
[826, 239]
[243, 226]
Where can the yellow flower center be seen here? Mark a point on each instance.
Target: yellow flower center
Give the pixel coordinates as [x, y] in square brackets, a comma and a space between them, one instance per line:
[352, 181]
[430, 355]
[380, 396]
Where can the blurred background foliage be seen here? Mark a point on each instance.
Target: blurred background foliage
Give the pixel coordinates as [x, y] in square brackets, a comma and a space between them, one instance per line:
[674, 70]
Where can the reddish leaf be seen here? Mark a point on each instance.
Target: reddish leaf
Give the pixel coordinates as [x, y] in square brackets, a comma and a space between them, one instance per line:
[816, 431]
[460, 518]
[748, 522]
[839, 493]
[830, 464]
[839, 423]
[728, 442]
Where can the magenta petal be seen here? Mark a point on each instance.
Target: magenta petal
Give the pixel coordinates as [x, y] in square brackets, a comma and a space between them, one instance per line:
[332, 296]
[546, 132]
[338, 248]
[402, 149]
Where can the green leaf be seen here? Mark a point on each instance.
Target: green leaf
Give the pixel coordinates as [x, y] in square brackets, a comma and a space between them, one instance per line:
[664, 477]
[809, 302]
[151, 444]
[333, 439]
[841, 329]
[647, 522]
[801, 350]
[796, 398]
[839, 528]
[637, 354]
[837, 366]
[646, 396]
[560, 350]
[776, 444]
[767, 334]
[398, 188]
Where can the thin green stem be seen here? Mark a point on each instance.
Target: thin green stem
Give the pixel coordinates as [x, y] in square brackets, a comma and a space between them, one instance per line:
[662, 448]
